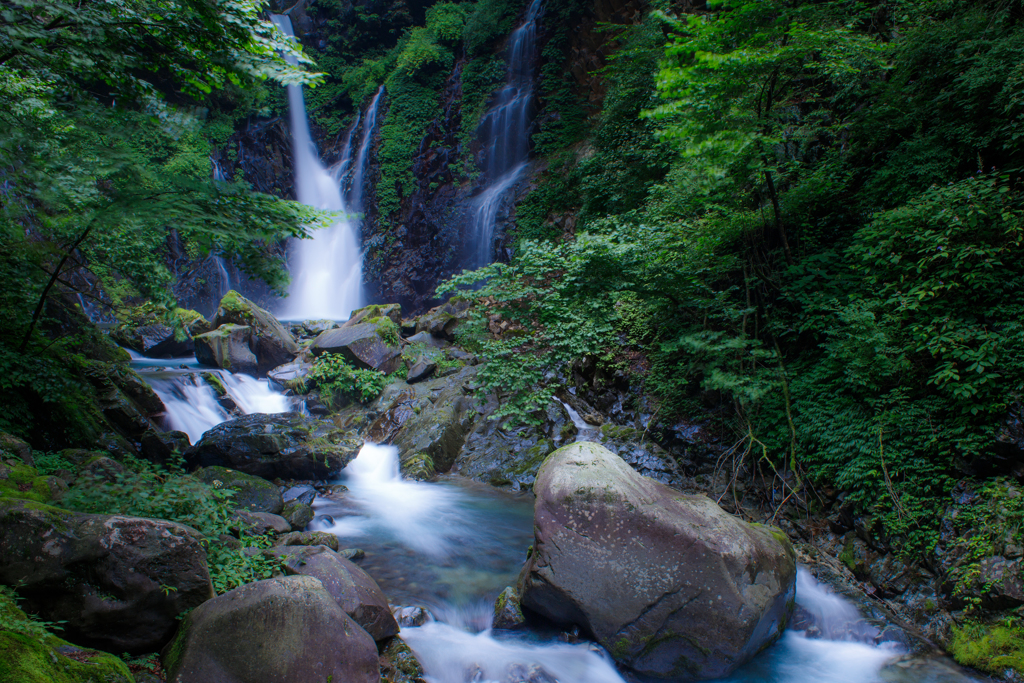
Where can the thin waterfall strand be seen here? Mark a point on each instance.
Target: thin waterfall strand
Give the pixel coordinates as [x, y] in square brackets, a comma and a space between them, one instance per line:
[505, 133]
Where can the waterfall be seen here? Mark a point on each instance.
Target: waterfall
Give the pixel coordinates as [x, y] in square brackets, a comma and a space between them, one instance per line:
[355, 194]
[327, 270]
[505, 133]
[223, 277]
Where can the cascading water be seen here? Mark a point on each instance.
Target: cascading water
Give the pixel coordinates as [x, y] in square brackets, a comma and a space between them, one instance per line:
[505, 133]
[584, 431]
[192, 403]
[355, 193]
[327, 270]
[452, 547]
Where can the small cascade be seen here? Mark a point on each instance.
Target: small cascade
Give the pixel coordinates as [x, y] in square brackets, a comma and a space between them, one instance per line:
[584, 430]
[505, 134]
[193, 406]
[223, 277]
[327, 270]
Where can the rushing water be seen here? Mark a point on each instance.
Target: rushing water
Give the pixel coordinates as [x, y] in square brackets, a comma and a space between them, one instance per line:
[192, 404]
[452, 547]
[327, 270]
[505, 133]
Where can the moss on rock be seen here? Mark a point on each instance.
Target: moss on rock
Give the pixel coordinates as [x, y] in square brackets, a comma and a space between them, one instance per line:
[990, 648]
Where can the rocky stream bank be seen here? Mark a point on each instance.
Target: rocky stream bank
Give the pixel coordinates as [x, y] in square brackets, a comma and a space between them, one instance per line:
[618, 500]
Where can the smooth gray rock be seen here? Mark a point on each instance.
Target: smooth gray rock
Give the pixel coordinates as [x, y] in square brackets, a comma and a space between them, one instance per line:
[350, 586]
[360, 345]
[281, 630]
[671, 585]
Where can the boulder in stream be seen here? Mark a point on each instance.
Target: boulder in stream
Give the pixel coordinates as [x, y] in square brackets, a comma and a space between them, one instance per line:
[284, 630]
[350, 586]
[270, 343]
[227, 347]
[285, 445]
[367, 345]
[669, 583]
[118, 582]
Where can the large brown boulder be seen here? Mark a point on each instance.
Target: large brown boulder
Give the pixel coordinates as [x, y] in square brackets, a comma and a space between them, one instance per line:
[365, 345]
[283, 630]
[351, 587]
[117, 582]
[271, 343]
[286, 445]
[670, 584]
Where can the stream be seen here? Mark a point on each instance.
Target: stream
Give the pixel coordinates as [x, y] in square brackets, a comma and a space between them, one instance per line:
[452, 545]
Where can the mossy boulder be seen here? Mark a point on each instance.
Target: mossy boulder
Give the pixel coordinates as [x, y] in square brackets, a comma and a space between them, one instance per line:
[362, 346]
[117, 582]
[286, 630]
[992, 648]
[287, 445]
[508, 614]
[28, 659]
[671, 585]
[155, 333]
[162, 447]
[16, 447]
[298, 514]
[20, 481]
[398, 663]
[374, 312]
[252, 494]
[227, 347]
[351, 587]
[270, 342]
[442, 321]
[290, 375]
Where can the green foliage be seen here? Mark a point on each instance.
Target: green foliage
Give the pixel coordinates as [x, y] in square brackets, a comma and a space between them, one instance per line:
[446, 21]
[337, 380]
[388, 331]
[51, 463]
[146, 490]
[489, 21]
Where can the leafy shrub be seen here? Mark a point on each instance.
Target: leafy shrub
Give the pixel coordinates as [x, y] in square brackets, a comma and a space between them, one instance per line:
[50, 463]
[146, 490]
[446, 21]
[336, 379]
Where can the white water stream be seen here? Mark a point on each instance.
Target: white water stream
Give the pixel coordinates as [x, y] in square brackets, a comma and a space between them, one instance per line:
[327, 270]
[192, 404]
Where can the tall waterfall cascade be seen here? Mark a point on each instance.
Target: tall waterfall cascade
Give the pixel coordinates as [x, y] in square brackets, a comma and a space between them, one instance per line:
[505, 134]
[327, 270]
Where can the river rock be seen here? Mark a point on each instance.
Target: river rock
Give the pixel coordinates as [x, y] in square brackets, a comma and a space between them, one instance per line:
[670, 584]
[308, 538]
[155, 340]
[118, 582]
[252, 494]
[271, 343]
[162, 447]
[507, 612]
[442, 321]
[17, 447]
[350, 586]
[281, 630]
[290, 375]
[286, 445]
[298, 514]
[361, 345]
[421, 369]
[227, 347]
[374, 311]
[261, 523]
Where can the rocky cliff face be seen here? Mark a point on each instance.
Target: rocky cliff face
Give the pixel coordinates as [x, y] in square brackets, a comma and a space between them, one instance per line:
[409, 251]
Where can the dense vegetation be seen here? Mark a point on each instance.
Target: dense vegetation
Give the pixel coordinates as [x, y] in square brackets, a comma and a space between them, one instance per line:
[104, 156]
[806, 218]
